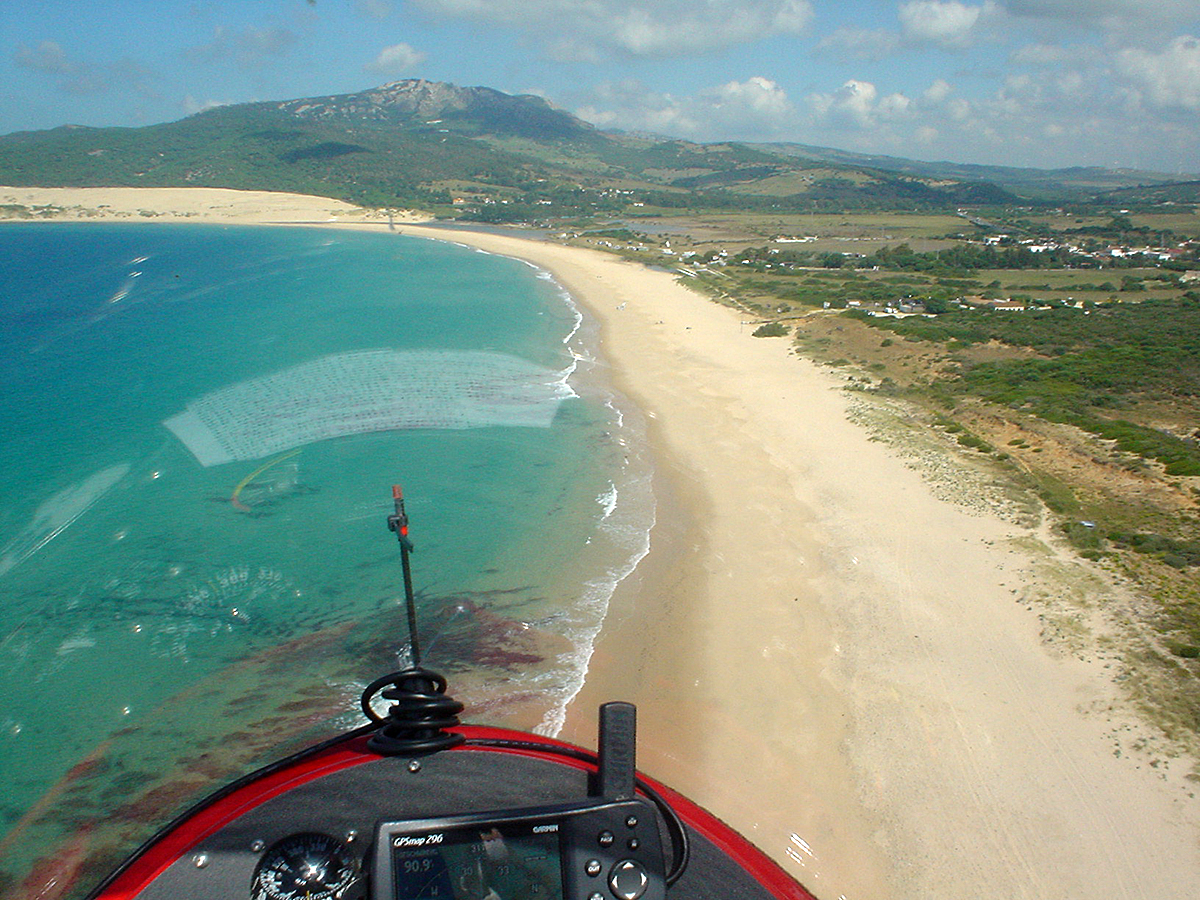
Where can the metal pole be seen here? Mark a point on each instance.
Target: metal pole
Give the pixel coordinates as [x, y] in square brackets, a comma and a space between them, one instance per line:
[398, 522]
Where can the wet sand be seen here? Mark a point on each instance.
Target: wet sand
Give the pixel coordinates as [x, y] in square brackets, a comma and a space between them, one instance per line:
[824, 653]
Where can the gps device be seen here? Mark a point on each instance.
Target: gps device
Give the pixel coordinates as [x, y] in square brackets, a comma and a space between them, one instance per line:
[597, 850]
[606, 847]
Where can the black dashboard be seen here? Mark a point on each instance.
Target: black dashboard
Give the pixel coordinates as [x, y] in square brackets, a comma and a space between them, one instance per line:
[521, 827]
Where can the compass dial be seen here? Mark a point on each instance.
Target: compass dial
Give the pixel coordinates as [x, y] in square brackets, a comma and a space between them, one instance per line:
[306, 866]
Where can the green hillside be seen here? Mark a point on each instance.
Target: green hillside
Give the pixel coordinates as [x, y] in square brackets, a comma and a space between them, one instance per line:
[437, 146]
[477, 152]
[1073, 183]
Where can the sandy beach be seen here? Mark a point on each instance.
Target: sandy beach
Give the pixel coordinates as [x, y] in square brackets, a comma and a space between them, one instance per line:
[846, 667]
[214, 205]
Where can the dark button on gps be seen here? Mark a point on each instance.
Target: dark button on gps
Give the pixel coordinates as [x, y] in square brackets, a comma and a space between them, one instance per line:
[605, 838]
[593, 867]
[631, 821]
[633, 843]
[628, 880]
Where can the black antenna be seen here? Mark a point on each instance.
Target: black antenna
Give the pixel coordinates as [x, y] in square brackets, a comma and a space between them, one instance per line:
[398, 523]
[616, 768]
[421, 711]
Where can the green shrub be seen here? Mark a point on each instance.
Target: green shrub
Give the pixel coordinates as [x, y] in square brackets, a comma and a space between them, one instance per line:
[975, 442]
[1177, 554]
[771, 329]
[1084, 537]
[1184, 467]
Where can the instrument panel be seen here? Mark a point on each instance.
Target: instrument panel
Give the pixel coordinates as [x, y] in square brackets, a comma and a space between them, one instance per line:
[587, 851]
[377, 831]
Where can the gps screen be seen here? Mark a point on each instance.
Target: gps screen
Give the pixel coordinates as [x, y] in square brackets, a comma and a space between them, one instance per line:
[482, 862]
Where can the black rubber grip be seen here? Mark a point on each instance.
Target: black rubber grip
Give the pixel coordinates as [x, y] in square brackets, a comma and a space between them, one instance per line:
[618, 756]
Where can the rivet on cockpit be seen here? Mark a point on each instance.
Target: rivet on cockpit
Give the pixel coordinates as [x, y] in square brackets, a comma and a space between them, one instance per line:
[200, 860]
[258, 846]
[414, 765]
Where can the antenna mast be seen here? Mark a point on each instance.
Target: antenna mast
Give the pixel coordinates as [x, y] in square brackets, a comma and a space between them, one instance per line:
[398, 523]
[421, 710]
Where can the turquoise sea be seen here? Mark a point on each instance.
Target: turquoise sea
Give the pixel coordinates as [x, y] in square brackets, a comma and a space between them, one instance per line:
[199, 431]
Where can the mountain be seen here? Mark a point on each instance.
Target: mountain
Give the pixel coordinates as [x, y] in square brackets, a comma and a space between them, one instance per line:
[1176, 192]
[1073, 182]
[378, 147]
[417, 103]
[443, 147]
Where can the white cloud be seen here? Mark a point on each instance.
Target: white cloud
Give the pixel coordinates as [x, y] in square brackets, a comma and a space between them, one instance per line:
[376, 9]
[1035, 90]
[630, 105]
[82, 77]
[586, 30]
[394, 59]
[959, 110]
[1117, 16]
[48, 56]
[937, 92]
[861, 43]
[893, 106]
[191, 105]
[1071, 84]
[248, 47]
[1057, 114]
[756, 108]
[1052, 54]
[573, 50]
[1170, 78]
[1044, 118]
[857, 104]
[758, 96]
[856, 98]
[949, 24]
[945, 23]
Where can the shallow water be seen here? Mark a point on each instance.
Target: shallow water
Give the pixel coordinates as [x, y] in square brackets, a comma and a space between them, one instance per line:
[195, 476]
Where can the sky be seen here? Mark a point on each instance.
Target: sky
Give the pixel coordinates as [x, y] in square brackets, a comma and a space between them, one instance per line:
[1042, 83]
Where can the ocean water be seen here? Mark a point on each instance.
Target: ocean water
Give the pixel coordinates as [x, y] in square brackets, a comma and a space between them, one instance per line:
[199, 431]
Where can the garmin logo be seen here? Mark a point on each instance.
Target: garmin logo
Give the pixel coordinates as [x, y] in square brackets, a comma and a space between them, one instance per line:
[542, 829]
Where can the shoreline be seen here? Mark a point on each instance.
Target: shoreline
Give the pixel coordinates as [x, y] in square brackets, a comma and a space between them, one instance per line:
[827, 656]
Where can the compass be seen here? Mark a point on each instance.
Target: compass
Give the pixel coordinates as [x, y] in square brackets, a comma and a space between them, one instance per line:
[308, 866]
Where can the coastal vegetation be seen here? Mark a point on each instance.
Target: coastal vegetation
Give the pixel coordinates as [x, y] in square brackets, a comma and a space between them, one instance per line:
[1077, 384]
[1053, 350]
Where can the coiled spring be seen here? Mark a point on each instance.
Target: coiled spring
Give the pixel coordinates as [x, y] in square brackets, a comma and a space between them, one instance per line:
[420, 713]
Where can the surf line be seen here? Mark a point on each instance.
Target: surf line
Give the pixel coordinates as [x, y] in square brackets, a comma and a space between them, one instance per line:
[238, 504]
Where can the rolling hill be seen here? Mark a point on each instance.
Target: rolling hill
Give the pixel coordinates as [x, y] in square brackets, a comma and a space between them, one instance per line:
[440, 147]
[1075, 182]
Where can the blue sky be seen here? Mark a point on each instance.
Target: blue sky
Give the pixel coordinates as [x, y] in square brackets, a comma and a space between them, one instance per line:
[1018, 82]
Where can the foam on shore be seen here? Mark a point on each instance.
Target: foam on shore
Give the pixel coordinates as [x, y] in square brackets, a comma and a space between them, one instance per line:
[627, 510]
